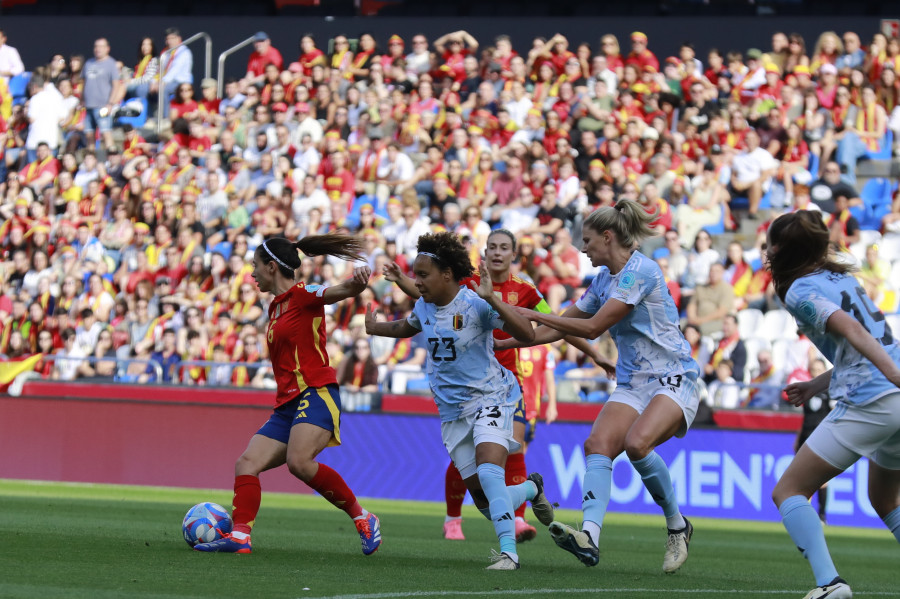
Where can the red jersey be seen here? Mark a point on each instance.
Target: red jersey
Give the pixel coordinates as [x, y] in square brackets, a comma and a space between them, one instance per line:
[515, 292]
[535, 361]
[296, 340]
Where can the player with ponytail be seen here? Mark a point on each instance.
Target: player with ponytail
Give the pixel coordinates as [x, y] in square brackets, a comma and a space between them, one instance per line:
[307, 416]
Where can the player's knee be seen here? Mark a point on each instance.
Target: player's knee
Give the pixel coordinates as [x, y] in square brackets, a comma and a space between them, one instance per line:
[637, 446]
[246, 465]
[302, 468]
[593, 445]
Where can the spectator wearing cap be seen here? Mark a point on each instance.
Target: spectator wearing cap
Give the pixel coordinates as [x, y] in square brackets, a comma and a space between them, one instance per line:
[396, 46]
[640, 55]
[176, 67]
[264, 54]
[306, 125]
[752, 78]
[208, 106]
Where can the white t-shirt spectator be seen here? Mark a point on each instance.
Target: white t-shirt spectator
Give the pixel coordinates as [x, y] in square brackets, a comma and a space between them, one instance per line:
[45, 111]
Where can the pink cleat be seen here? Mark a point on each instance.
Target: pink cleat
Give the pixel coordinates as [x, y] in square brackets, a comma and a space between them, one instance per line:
[524, 531]
[453, 530]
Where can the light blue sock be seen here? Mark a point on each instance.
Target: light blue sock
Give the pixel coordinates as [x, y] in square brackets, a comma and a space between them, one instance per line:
[805, 528]
[892, 521]
[519, 494]
[493, 482]
[596, 487]
[655, 474]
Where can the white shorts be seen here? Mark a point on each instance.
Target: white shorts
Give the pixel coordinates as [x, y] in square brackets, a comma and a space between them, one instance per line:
[491, 424]
[680, 388]
[850, 432]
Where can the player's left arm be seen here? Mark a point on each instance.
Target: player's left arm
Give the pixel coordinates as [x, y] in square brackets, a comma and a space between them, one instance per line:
[608, 315]
[841, 323]
[349, 288]
[513, 323]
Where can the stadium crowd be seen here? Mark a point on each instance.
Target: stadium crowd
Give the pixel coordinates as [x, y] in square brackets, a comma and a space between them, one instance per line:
[128, 249]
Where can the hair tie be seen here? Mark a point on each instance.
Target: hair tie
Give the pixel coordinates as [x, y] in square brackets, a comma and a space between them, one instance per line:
[274, 257]
[434, 257]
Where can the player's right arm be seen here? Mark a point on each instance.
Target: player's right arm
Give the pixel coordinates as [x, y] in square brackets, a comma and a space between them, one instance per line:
[542, 334]
[394, 274]
[397, 328]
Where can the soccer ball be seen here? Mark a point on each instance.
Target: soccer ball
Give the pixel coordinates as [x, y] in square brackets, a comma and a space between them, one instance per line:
[205, 522]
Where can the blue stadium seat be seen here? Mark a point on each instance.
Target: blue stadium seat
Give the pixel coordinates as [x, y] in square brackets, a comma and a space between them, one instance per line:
[743, 203]
[135, 121]
[876, 195]
[887, 148]
[18, 87]
[719, 227]
[814, 166]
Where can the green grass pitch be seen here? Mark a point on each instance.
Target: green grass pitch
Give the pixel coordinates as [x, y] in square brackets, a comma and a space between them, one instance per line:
[102, 542]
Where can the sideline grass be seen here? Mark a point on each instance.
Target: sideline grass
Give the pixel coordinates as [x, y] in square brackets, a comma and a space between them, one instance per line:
[102, 542]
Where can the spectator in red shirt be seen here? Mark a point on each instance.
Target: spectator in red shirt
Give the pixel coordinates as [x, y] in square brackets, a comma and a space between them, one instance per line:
[640, 56]
[453, 49]
[263, 55]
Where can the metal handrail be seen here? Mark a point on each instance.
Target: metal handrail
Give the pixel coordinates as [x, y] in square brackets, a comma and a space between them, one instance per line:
[157, 367]
[221, 72]
[207, 70]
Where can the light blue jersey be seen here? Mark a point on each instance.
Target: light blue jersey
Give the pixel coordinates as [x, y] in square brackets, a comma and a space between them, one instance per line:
[650, 344]
[812, 300]
[463, 373]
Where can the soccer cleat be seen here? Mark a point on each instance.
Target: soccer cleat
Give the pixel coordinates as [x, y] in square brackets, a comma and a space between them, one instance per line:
[502, 561]
[836, 589]
[226, 544]
[524, 531]
[677, 547]
[576, 542]
[453, 530]
[542, 509]
[369, 529]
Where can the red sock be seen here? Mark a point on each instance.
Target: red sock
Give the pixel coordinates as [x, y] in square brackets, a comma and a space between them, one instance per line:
[454, 491]
[332, 487]
[245, 505]
[516, 474]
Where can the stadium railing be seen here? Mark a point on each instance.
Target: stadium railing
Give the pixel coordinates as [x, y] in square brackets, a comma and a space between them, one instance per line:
[206, 72]
[220, 73]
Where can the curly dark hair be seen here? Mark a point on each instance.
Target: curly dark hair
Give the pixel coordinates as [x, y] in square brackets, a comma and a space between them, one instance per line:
[450, 252]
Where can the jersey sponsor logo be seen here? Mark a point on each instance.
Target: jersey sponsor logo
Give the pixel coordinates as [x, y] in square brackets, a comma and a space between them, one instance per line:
[457, 322]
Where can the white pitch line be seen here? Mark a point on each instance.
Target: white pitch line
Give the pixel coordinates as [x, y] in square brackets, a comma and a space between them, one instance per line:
[580, 591]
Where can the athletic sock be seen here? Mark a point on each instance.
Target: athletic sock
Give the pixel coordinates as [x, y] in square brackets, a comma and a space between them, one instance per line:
[805, 528]
[655, 474]
[454, 491]
[494, 486]
[332, 487]
[521, 493]
[245, 505]
[892, 521]
[595, 489]
[516, 474]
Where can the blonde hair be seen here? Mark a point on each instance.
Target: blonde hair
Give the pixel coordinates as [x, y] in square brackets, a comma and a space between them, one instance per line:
[627, 219]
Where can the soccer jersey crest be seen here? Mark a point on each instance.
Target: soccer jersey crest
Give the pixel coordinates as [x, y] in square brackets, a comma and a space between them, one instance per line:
[512, 298]
[457, 322]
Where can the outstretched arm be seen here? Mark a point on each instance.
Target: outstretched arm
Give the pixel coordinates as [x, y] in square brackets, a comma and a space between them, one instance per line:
[349, 288]
[394, 274]
[612, 312]
[513, 323]
[397, 328]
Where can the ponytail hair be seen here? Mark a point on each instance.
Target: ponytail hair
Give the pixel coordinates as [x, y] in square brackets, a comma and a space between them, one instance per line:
[627, 219]
[285, 253]
[799, 244]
